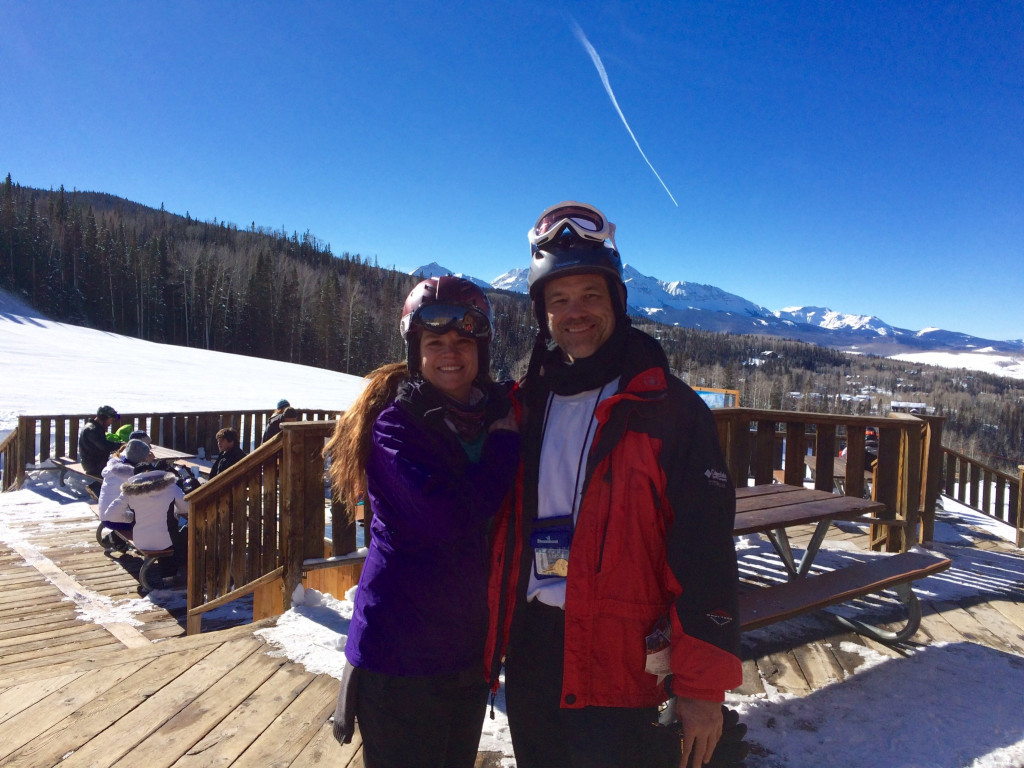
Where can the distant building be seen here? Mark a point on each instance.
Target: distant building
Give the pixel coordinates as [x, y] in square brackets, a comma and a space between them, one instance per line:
[900, 406]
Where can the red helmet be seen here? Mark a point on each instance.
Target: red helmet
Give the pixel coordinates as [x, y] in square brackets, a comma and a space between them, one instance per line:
[442, 304]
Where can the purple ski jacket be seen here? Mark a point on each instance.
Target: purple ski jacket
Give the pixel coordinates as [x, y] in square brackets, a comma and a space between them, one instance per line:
[421, 606]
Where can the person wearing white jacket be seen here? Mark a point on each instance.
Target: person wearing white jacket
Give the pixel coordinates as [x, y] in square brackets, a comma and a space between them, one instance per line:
[153, 502]
[119, 468]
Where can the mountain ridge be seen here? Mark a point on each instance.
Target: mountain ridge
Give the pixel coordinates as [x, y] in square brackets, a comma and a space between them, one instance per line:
[708, 307]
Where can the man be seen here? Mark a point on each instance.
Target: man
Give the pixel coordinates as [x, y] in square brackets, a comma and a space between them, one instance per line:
[230, 453]
[614, 574]
[93, 447]
[278, 418]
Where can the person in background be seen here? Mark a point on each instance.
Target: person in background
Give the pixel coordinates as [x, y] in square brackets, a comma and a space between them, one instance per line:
[277, 419]
[614, 578]
[140, 434]
[120, 467]
[433, 447]
[230, 453]
[152, 501]
[93, 447]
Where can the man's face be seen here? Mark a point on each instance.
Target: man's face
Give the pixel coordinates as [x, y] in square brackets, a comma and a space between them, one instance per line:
[580, 314]
[224, 444]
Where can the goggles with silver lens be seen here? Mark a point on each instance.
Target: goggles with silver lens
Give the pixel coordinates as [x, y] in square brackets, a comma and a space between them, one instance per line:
[584, 220]
[441, 318]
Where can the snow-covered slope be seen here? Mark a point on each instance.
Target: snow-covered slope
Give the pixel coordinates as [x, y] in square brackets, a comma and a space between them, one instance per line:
[50, 367]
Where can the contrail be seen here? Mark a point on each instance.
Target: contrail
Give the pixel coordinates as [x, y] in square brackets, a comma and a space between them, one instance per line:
[607, 86]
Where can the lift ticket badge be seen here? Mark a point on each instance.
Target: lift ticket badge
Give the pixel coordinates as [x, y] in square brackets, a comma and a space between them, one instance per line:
[551, 551]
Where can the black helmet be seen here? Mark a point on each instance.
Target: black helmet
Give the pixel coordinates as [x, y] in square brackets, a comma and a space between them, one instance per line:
[572, 255]
[446, 303]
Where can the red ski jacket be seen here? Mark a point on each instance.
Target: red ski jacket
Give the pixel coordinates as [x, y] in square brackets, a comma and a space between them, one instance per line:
[653, 539]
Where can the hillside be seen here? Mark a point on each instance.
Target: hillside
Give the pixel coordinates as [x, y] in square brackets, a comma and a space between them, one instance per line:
[129, 270]
[52, 367]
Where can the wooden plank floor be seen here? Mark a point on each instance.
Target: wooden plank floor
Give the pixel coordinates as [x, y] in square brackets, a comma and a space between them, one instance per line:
[76, 693]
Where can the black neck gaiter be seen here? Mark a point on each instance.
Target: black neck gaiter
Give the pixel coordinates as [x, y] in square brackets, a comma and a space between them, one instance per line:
[589, 372]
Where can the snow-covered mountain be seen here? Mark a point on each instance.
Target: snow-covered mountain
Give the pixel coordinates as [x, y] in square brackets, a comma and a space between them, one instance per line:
[433, 269]
[694, 305]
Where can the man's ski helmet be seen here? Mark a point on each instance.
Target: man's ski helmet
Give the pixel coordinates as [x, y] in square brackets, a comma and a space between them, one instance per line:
[446, 303]
[573, 239]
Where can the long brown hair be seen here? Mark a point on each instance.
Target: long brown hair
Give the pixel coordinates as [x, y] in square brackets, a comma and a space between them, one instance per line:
[349, 446]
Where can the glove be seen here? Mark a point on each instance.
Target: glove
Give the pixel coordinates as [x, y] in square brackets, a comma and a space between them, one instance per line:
[665, 744]
[345, 711]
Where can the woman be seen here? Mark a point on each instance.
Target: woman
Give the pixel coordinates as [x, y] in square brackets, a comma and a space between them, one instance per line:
[154, 503]
[433, 447]
[120, 467]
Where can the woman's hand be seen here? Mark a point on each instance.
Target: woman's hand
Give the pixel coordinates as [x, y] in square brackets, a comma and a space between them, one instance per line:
[508, 421]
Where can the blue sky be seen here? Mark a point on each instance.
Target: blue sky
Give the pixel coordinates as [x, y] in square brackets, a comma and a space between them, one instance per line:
[864, 156]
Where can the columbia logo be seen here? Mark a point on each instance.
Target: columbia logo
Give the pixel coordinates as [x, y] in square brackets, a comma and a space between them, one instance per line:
[721, 479]
[720, 617]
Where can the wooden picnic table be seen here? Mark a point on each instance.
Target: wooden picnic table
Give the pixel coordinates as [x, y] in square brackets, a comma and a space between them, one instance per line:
[773, 509]
[67, 467]
[160, 452]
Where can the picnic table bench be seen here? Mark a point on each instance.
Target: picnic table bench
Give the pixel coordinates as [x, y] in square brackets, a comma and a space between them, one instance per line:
[772, 509]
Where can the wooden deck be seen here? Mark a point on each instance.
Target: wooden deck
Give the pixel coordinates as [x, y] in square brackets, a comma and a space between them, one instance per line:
[77, 693]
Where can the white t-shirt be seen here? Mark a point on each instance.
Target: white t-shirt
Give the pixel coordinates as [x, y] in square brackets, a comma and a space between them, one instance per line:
[569, 427]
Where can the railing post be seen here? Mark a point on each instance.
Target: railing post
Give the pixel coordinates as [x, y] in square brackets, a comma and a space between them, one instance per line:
[1020, 506]
[825, 457]
[291, 513]
[886, 486]
[764, 449]
[9, 460]
[856, 460]
[26, 453]
[796, 449]
[302, 500]
[912, 490]
[932, 481]
[738, 456]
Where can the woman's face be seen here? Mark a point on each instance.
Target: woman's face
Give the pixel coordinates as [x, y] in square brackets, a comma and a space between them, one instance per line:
[449, 362]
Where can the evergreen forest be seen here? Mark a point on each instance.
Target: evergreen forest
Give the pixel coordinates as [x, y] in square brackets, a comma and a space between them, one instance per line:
[100, 261]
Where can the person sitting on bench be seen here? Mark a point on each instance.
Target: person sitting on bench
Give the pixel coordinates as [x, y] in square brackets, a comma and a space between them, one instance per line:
[120, 468]
[227, 444]
[153, 501]
[93, 447]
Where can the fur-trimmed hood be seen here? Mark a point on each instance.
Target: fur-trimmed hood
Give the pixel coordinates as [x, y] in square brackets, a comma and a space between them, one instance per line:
[148, 482]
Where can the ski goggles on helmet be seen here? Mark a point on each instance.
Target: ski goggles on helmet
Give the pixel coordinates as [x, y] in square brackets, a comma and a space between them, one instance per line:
[584, 220]
[441, 318]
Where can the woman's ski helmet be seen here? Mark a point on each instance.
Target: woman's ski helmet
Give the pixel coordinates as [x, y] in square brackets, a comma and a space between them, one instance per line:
[446, 303]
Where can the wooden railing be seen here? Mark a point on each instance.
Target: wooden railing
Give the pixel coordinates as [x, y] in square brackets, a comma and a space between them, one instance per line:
[9, 462]
[40, 437]
[757, 443]
[254, 527]
[984, 489]
[259, 526]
